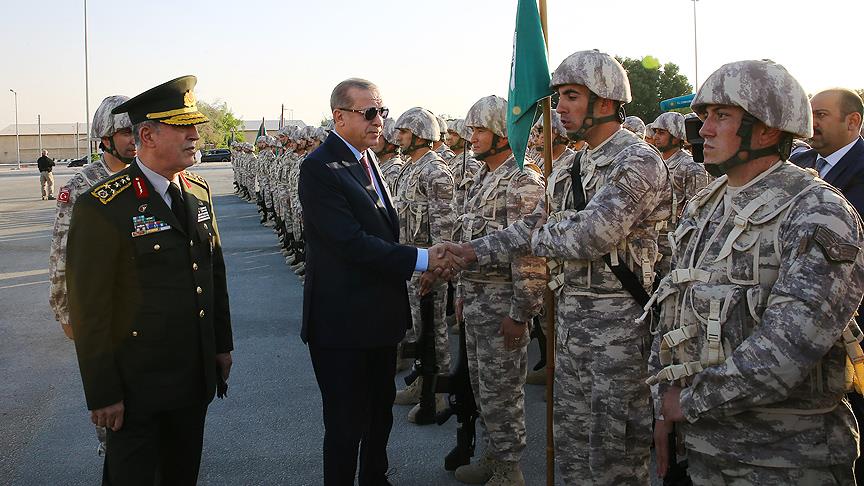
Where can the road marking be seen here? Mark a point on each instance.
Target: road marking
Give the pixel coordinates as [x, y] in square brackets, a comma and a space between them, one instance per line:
[27, 273]
[24, 284]
[5, 239]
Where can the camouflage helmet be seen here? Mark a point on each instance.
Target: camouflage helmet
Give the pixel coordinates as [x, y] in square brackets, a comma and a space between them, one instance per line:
[261, 139]
[764, 89]
[104, 123]
[442, 124]
[601, 73]
[389, 131]
[489, 112]
[649, 131]
[321, 134]
[672, 122]
[635, 125]
[457, 125]
[557, 125]
[420, 122]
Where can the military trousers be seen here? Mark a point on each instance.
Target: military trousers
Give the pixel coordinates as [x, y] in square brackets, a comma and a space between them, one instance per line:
[497, 375]
[708, 470]
[46, 183]
[602, 409]
[442, 337]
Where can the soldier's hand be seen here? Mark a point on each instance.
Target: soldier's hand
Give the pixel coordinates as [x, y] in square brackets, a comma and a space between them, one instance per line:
[515, 333]
[224, 361]
[110, 417]
[444, 263]
[464, 251]
[672, 405]
[662, 429]
[427, 280]
[67, 330]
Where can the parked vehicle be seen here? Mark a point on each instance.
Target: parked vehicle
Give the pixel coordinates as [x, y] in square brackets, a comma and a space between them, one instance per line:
[79, 162]
[216, 155]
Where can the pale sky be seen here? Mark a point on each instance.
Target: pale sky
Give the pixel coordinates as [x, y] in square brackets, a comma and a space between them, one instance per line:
[439, 54]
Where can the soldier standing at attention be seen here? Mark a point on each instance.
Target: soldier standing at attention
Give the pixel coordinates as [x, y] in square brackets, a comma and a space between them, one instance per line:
[688, 176]
[424, 203]
[602, 246]
[148, 299]
[118, 150]
[498, 301]
[387, 151]
[766, 279]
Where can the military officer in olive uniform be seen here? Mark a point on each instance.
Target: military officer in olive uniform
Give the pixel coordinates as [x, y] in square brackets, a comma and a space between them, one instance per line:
[148, 297]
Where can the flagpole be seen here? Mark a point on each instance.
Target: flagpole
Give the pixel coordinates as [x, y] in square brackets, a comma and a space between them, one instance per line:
[549, 297]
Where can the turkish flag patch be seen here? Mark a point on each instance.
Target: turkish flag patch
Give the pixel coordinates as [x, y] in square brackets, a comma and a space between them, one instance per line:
[63, 197]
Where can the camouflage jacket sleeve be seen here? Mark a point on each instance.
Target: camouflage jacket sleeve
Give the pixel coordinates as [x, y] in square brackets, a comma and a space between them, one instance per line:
[632, 193]
[528, 271]
[818, 288]
[509, 242]
[58, 298]
[438, 187]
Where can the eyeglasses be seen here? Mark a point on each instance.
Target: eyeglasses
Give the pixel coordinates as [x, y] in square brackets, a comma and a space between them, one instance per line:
[370, 113]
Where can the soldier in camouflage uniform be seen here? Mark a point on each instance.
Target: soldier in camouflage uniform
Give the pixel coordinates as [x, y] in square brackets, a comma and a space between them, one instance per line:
[387, 151]
[439, 146]
[118, 150]
[635, 125]
[498, 301]
[561, 153]
[602, 409]
[749, 355]
[463, 165]
[688, 176]
[424, 201]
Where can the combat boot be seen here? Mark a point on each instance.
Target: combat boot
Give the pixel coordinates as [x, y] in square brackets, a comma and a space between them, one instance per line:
[506, 473]
[479, 472]
[410, 395]
[440, 406]
[536, 377]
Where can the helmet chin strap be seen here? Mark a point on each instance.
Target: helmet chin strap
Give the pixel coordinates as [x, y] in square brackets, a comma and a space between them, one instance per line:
[416, 144]
[493, 149]
[592, 121]
[112, 149]
[744, 153]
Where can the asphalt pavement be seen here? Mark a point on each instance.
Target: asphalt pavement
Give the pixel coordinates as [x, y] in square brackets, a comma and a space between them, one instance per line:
[268, 431]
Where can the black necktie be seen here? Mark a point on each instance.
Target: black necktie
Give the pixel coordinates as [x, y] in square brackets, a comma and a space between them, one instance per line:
[177, 205]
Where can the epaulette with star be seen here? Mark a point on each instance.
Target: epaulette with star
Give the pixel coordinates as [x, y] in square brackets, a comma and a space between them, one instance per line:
[533, 166]
[107, 191]
[193, 177]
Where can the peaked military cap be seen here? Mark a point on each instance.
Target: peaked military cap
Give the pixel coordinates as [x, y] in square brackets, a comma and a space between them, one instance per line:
[172, 103]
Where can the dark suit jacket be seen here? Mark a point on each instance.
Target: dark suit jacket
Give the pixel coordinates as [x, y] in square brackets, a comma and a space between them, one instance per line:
[149, 311]
[355, 293]
[847, 175]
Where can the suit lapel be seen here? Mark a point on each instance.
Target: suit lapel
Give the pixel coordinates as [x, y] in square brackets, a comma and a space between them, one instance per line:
[853, 157]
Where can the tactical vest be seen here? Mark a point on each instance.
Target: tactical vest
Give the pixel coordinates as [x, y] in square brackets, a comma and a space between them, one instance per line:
[485, 212]
[640, 250]
[726, 264]
[412, 203]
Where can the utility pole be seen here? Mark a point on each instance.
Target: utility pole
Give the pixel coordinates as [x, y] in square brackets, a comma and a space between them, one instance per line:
[695, 50]
[77, 136]
[86, 81]
[17, 140]
[39, 124]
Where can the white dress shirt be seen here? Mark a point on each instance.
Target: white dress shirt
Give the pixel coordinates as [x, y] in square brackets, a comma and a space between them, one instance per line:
[834, 158]
[160, 183]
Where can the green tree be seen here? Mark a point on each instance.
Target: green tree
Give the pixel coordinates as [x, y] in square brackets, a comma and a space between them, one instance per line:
[217, 133]
[651, 83]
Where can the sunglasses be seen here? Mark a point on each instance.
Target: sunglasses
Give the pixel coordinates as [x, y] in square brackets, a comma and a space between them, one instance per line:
[371, 113]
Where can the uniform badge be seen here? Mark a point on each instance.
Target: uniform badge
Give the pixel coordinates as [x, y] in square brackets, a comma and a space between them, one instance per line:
[203, 214]
[141, 191]
[145, 225]
[63, 197]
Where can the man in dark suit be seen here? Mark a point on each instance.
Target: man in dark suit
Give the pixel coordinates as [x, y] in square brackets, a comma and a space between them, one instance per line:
[148, 297]
[837, 153]
[355, 300]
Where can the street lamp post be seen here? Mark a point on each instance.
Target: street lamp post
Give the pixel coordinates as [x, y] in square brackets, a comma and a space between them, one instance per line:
[86, 81]
[695, 49]
[17, 140]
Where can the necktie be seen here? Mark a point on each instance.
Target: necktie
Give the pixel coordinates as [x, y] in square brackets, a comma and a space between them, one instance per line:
[365, 163]
[821, 163]
[177, 205]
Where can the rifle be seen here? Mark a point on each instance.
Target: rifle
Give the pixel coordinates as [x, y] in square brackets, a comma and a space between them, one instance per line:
[425, 362]
[538, 334]
[461, 404]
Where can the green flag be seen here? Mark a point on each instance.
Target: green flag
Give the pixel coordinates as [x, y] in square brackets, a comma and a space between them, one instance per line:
[262, 130]
[529, 77]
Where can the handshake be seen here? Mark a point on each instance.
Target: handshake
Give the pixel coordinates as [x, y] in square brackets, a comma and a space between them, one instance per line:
[445, 261]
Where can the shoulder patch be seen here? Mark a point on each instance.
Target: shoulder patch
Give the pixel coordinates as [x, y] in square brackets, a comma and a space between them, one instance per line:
[193, 177]
[833, 246]
[63, 197]
[108, 190]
